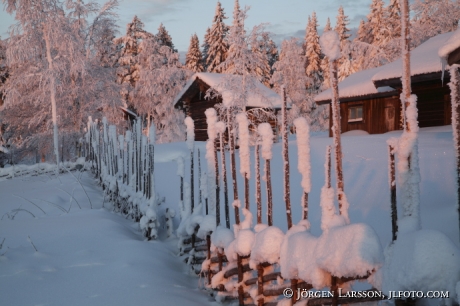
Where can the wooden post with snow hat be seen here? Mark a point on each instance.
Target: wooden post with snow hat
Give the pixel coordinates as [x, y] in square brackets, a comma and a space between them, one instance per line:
[303, 147]
[408, 143]
[392, 143]
[220, 127]
[266, 133]
[455, 102]
[330, 45]
[190, 145]
[284, 130]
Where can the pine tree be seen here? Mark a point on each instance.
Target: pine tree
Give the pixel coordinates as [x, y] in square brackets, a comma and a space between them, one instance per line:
[218, 46]
[205, 47]
[313, 54]
[128, 70]
[345, 67]
[266, 50]
[325, 61]
[376, 22]
[341, 27]
[193, 58]
[394, 19]
[163, 37]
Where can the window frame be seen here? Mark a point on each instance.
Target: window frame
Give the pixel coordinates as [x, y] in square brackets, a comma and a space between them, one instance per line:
[350, 108]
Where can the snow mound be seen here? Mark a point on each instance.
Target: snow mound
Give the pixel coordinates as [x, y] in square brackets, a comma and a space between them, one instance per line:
[350, 250]
[422, 260]
[355, 133]
[244, 241]
[222, 237]
[267, 246]
[207, 226]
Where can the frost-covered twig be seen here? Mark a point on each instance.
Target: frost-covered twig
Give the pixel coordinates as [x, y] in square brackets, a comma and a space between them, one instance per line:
[15, 195]
[53, 204]
[91, 203]
[71, 197]
[30, 240]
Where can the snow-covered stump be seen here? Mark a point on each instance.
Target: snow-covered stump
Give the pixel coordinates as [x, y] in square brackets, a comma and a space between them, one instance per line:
[304, 167]
[285, 153]
[330, 44]
[220, 127]
[266, 133]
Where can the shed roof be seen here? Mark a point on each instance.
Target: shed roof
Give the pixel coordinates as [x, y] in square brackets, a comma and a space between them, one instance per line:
[260, 96]
[423, 60]
[358, 84]
[370, 83]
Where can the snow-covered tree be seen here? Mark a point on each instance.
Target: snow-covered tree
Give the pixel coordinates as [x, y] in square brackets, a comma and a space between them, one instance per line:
[218, 45]
[324, 60]
[163, 37]
[345, 67]
[160, 78]
[289, 73]
[313, 54]
[376, 23]
[128, 70]
[194, 58]
[433, 17]
[205, 47]
[393, 19]
[54, 62]
[268, 53]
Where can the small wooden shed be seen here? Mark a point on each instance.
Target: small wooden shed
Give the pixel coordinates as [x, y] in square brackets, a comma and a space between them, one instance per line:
[370, 99]
[191, 99]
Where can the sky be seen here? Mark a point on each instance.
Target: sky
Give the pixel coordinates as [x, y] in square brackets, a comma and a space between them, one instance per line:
[183, 18]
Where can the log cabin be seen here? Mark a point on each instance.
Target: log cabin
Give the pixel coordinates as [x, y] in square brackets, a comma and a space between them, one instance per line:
[193, 101]
[369, 99]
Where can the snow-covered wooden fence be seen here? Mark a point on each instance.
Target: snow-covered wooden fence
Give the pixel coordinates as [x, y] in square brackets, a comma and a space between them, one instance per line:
[125, 168]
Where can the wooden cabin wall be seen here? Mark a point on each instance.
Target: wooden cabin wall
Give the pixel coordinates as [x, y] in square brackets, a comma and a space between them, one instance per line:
[433, 103]
[197, 112]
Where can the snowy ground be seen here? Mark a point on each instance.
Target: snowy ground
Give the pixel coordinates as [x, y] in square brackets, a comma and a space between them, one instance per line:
[85, 257]
[94, 257]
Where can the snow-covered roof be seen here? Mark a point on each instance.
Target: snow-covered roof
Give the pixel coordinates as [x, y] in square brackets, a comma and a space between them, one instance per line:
[450, 45]
[356, 85]
[261, 96]
[424, 59]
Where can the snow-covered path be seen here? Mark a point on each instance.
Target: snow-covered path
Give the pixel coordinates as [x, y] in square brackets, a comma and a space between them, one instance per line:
[85, 257]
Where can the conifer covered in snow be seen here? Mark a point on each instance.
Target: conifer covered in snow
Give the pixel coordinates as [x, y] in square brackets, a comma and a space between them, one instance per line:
[160, 79]
[128, 70]
[163, 38]
[194, 58]
[217, 41]
[205, 48]
[325, 61]
[345, 65]
[313, 54]
[376, 23]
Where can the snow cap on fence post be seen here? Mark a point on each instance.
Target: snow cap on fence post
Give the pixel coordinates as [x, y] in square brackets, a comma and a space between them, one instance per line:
[243, 135]
[265, 131]
[330, 45]
[190, 132]
[303, 146]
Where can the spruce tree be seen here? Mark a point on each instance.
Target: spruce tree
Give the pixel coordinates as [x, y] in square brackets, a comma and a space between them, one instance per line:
[376, 21]
[194, 58]
[313, 54]
[345, 67]
[394, 19]
[205, 47]
[163, 37]
[218, 46]
[325, 61]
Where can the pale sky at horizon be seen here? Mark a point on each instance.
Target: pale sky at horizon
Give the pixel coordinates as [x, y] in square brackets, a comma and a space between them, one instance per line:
[183, 18]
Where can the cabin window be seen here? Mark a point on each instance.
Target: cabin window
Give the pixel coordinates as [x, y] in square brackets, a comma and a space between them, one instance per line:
[355, 113]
